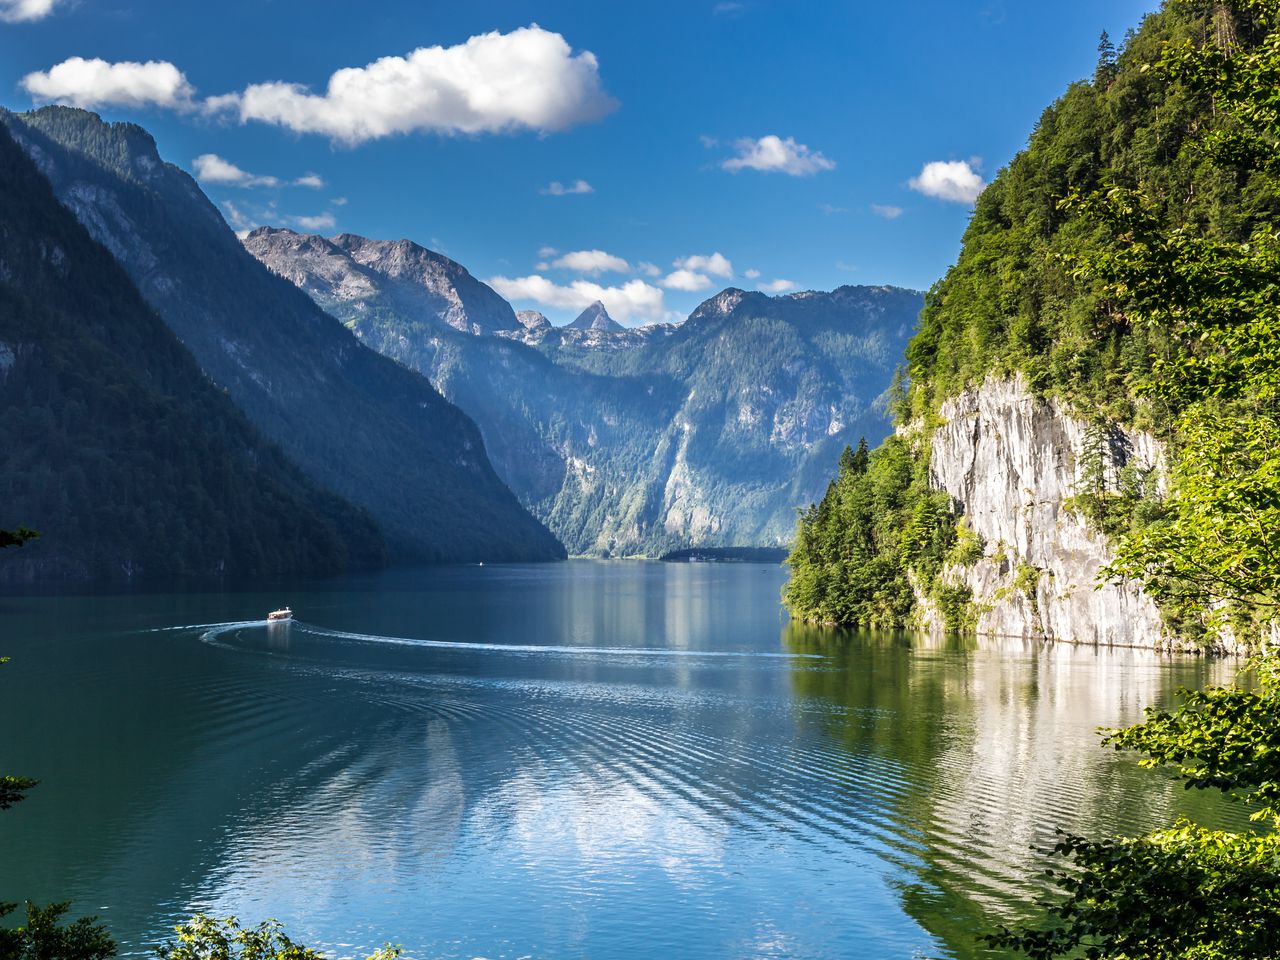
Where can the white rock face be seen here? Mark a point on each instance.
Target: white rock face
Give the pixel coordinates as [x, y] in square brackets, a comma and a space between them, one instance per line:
[1009, 461]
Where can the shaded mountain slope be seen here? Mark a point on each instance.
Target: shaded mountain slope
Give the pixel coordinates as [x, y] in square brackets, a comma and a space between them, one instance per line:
[114, 446]
[355, 421]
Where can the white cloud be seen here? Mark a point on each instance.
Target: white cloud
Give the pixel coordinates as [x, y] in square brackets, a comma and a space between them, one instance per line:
[545, 252]
[887, 211]
[212, 168]
[592, 261]
[634, 300]
[20, 11]
[321, 221]
[709, 142]
[830, 209]
[239, 219]
[312, 180]
[751, 274]
[715, 264]
[528, 79]
[95, 83]
[649, 269]
[772, 154]
[557, 189]
[686, 280]
[777, 286]
[952, 180]
[339, 201]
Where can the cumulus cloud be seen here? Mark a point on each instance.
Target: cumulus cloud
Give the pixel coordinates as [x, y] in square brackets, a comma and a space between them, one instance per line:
[339, 201]
[592, 261]
[771, 154]
[212, 168]
[311, 180]
[649, 269]
[777, 286]
[634, 301]
[686, 280]
[321, 221]
[752, 274]
[529, 79]
[557, 189]
[952, 180]
[241, 220]
[20, 11]
[97, 83]
[715, 264]
[886, 211]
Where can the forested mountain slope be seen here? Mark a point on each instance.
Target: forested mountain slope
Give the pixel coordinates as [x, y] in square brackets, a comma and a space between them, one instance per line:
[1025, 417]
[129, 463]
[356, 422]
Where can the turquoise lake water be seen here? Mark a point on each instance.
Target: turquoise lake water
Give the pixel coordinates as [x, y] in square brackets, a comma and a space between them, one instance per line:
[589, 759]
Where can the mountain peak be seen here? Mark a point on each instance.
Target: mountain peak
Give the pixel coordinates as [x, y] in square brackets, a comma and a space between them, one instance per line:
[596, 317]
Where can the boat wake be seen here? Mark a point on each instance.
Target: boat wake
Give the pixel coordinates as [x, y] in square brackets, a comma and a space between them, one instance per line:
[213, 634]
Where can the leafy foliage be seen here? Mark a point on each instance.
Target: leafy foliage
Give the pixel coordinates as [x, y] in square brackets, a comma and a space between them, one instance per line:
[853, 550]
[45, 937]
[215, 938]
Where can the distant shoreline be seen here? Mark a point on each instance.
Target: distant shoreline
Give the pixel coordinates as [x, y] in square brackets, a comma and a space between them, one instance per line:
[727, 555]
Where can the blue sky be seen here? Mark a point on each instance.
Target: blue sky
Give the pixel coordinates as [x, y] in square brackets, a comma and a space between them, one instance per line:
[783, 136]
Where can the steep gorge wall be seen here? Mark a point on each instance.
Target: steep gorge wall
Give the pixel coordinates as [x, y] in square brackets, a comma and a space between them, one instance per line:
[1011, 461]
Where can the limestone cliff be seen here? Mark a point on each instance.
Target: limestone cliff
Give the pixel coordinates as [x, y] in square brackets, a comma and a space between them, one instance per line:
[1011, 462]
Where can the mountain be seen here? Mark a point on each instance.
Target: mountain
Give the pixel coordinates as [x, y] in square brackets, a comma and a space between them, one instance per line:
[356, 422]
[642, 441]
[532, 320]
[1026, 447]
[389, 278]
[596, 318]
[126, 459]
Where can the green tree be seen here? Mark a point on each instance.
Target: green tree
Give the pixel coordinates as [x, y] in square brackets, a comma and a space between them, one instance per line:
[44, 937]
[215, 938]
[1188, 892]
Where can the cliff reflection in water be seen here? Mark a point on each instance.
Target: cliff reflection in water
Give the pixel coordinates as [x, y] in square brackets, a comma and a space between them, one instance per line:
[1000, 747]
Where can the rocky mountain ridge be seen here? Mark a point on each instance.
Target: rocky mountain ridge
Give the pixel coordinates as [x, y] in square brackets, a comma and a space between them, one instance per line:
[642, 440]
[357, 423]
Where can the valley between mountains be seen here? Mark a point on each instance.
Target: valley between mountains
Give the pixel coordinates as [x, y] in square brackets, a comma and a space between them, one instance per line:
[394, 379]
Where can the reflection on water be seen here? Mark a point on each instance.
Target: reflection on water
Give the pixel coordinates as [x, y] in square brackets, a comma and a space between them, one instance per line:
[999, 740]
[587, 759]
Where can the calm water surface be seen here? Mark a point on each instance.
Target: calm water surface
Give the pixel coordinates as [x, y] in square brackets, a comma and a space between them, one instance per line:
[599, 760]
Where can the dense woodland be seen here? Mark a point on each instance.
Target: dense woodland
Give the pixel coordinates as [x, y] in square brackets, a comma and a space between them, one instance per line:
[1018, 303]
[116, 448]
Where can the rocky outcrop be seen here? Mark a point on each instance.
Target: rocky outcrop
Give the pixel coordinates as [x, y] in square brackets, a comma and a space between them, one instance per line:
[1011, 463]
[349, 274]
[597, 318]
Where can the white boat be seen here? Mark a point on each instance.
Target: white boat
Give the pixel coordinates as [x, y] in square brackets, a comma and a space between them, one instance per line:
[282, 614]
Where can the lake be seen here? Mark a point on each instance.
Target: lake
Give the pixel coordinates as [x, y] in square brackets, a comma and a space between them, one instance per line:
[588, 759]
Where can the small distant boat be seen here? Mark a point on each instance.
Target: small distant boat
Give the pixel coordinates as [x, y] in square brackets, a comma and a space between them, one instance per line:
[277, 615]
